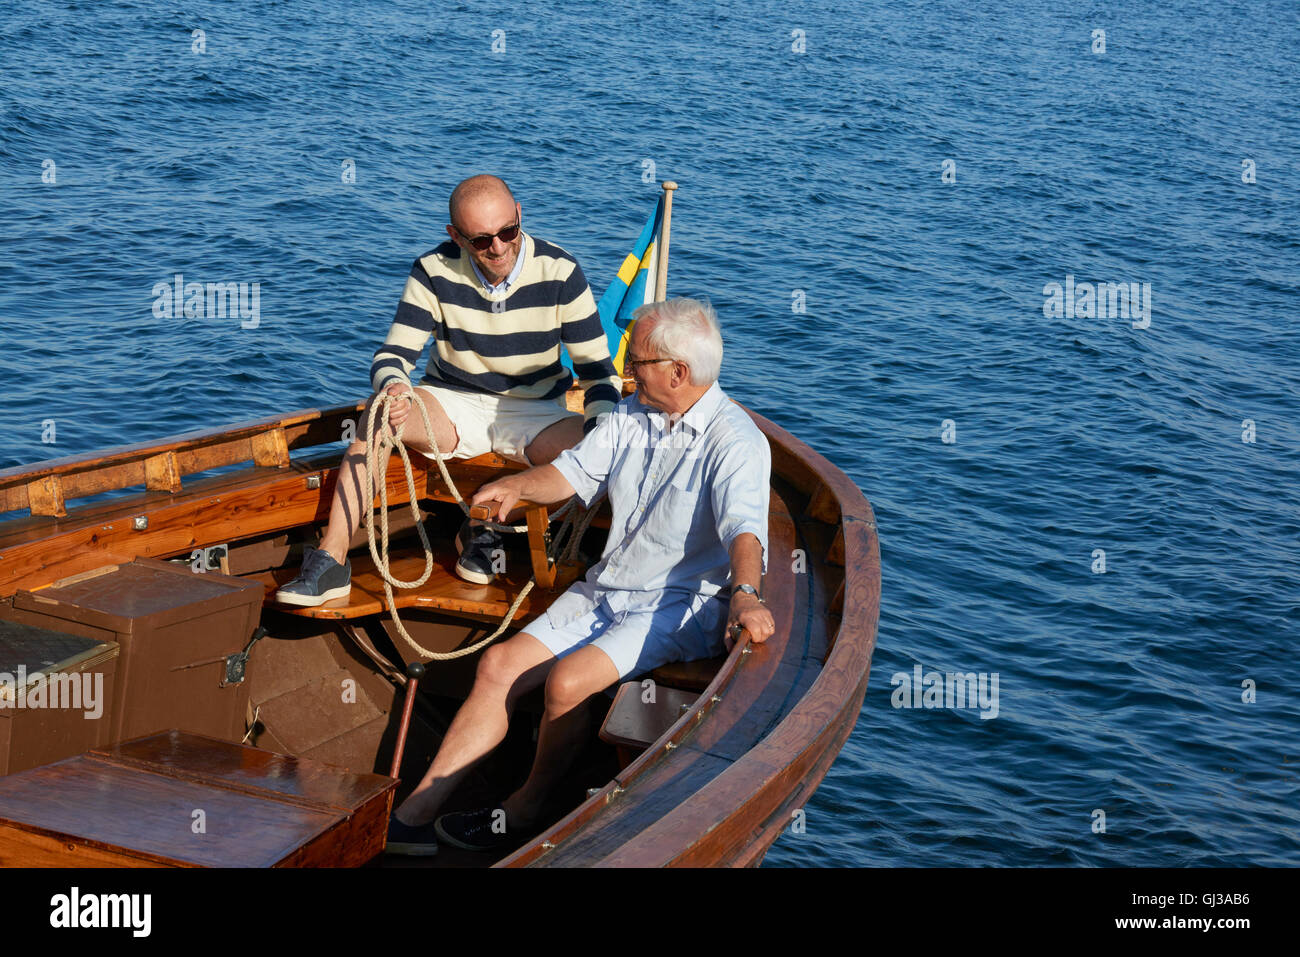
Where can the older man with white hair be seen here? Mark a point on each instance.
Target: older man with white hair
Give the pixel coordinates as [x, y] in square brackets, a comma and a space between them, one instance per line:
[687, 473]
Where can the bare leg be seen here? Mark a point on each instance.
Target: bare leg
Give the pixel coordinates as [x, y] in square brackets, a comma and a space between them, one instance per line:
[554, 439]
[572, 681]
[345, 511]
[505, 672]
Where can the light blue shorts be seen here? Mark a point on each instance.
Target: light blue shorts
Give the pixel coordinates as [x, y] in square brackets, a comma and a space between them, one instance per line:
[639, 638]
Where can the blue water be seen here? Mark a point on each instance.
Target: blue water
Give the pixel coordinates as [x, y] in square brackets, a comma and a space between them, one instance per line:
[819, 171]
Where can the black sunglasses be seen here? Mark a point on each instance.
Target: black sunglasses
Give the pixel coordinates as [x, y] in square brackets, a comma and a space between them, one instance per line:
[481, 243]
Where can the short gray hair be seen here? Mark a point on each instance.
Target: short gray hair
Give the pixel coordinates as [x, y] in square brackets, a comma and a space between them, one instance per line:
[686, 330]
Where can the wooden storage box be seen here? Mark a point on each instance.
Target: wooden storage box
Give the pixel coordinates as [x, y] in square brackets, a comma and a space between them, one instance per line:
[183, 800]
[176, 630]
[56, 695]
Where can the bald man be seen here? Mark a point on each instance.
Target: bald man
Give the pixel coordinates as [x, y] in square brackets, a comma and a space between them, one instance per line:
[500, 303]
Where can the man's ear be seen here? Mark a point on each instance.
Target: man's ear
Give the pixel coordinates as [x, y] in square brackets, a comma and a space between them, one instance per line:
[451, 231]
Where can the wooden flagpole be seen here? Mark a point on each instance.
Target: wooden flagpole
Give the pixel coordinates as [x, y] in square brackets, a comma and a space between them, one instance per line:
[661, 277]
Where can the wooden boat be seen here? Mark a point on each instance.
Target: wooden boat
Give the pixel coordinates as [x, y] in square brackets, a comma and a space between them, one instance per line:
[167, 567]
[713, 783]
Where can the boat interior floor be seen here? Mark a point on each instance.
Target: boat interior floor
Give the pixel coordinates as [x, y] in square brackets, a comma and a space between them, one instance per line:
[309, 653]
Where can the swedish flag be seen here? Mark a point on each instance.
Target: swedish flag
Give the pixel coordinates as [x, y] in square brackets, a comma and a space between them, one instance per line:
[632, 287]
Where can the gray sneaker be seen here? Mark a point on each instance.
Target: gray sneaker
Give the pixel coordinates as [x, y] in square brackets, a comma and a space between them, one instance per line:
[320, 580]
[478, 546]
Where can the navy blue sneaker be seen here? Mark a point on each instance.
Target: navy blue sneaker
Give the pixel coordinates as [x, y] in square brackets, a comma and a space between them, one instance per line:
[320, 580]
[476, 545]
[413, 840]
[481, 830]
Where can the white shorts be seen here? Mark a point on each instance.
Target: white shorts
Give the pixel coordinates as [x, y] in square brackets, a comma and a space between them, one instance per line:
[496, 423]
[637, 639]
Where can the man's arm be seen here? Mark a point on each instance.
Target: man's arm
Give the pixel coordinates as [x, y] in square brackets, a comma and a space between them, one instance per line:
[746, 610]
[582, 471]
[413, 325]
[542, 484]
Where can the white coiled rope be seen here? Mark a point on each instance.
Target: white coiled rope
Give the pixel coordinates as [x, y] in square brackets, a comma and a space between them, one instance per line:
[375, 443]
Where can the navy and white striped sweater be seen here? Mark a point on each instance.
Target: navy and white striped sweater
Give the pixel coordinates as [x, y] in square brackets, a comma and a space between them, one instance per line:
[505, 343]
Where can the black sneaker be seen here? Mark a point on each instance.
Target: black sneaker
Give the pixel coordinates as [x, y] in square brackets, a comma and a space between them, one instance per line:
[320, 580]
[481, 830]
[476, 545]
[416, 840]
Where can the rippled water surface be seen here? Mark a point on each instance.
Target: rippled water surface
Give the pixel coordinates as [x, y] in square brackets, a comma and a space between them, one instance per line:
[820, 171]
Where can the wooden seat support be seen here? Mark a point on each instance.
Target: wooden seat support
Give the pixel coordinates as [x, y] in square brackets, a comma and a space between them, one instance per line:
[537, 516]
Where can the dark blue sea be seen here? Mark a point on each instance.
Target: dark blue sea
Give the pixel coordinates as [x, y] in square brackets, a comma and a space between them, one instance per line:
[875, 196]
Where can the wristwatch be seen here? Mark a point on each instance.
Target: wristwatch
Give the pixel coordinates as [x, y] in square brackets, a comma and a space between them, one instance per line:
[748, 590]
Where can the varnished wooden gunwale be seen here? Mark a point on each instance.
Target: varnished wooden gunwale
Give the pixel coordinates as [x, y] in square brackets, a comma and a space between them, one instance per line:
[162, 465]
[738, 810]
[214, 510]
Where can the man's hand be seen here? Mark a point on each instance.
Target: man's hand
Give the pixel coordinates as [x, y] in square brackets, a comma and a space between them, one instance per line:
[502, 494]
[750, 614]
[398, 411]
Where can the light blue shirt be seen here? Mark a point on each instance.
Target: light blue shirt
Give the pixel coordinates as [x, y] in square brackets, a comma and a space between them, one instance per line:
[679, 497]
[505, 284]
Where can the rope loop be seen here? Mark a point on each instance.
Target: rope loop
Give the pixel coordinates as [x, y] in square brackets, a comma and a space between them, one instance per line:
[376, 444]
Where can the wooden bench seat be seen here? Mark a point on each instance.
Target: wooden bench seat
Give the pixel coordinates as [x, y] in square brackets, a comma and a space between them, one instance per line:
[688, 675]
[640, 715]
[633, 723]
[445, 590]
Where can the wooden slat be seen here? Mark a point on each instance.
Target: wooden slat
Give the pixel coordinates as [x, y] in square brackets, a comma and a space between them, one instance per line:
[215, 455]
[45, 496]
[271, 450]
[467, 474]
[824, 506]
[13, 498]
[835, 556]
[688, 675]
[103, 479]
[161, 473]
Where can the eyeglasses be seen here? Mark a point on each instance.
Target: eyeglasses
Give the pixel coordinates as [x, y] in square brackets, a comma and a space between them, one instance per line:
[634, 363]
[481, 243]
